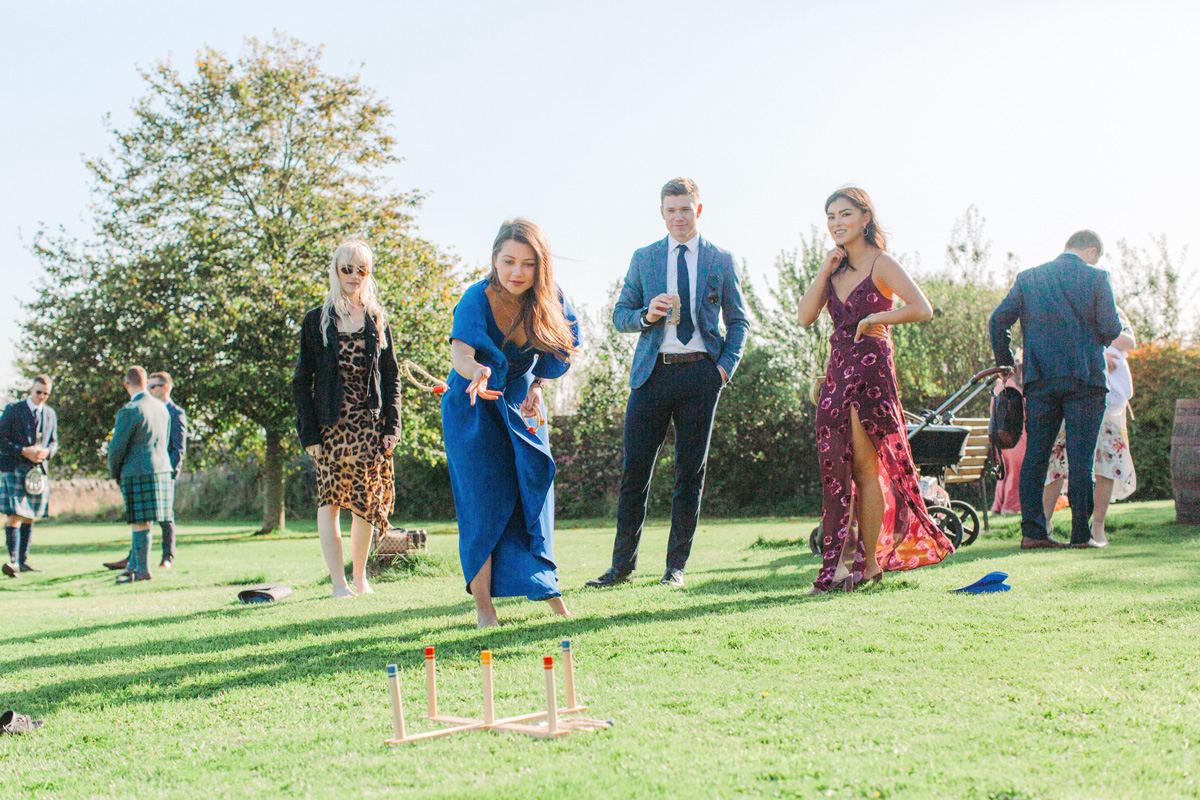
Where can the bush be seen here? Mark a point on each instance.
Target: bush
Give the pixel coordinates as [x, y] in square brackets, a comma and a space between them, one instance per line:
[1163, 372]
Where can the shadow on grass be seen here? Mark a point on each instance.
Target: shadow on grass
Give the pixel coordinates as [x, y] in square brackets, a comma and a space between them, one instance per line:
[213, 664]
[211, 671]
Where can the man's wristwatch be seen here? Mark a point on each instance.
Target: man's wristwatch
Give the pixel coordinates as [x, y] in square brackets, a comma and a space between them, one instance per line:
[645, 322]
[539, 383]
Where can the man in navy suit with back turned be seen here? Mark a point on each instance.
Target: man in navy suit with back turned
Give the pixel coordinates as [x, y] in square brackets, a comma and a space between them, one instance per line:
[678, 371]
[1067, 318]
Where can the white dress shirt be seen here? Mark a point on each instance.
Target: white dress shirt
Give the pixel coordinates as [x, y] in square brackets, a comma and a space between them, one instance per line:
[671, 343]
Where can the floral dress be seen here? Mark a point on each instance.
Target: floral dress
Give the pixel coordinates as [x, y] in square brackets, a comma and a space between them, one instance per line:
[861, 375]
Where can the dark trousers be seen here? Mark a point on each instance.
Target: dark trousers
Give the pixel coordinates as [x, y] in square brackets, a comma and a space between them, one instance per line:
[685, 394]
[168, 540]
[1047, 404]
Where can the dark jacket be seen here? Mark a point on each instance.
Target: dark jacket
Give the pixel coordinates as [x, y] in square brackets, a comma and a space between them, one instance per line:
[177, 445]
[139, 439]
[317, 384]
[18, 430]
[1067, 318]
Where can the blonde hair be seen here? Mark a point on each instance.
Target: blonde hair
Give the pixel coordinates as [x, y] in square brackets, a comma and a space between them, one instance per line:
[541, 312]
[336, 302]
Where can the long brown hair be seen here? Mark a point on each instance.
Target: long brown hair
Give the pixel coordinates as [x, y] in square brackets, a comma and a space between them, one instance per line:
[541, 315]
[862, 201]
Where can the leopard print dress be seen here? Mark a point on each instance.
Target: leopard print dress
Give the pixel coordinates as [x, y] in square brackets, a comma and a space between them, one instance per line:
[351, 470]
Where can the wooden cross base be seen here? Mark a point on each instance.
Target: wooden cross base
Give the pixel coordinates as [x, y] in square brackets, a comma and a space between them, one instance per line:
[554, 724]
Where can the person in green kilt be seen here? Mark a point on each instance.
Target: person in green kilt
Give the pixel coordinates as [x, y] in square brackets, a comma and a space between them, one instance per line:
[139, 459]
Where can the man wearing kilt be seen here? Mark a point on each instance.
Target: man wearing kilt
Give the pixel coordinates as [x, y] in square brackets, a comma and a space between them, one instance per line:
[138, 458]
[28, 439]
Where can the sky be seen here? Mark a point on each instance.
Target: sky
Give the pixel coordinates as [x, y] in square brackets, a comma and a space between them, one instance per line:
[1046, 116]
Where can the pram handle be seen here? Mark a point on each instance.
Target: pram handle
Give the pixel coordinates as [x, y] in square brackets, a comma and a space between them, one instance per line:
[988, 373]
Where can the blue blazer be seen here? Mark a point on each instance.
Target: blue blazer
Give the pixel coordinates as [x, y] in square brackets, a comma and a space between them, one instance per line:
[1067, 318]
[18, 430]
[719, 293]
[177, 445]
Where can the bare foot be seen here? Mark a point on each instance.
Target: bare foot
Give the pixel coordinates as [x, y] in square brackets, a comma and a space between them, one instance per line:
[1099, 537]
[363, 587]
[487, 621]
[558, 606]
[343, 591]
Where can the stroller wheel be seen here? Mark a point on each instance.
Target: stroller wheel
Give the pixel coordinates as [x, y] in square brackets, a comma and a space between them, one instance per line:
[814, 540]
[949, 522]
[969, 519]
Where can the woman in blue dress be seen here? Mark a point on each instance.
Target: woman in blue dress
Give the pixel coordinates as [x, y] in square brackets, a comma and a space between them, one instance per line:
[513, 331]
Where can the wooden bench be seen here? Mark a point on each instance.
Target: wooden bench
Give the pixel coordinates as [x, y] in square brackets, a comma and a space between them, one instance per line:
[972, 468]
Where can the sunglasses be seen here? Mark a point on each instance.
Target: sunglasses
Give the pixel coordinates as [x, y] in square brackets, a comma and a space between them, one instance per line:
[348, 269]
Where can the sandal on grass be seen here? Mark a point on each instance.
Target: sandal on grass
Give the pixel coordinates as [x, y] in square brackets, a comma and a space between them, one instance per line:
[12, 723]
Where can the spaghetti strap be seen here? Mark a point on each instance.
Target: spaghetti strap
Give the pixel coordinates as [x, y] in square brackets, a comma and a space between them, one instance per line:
[871, 271]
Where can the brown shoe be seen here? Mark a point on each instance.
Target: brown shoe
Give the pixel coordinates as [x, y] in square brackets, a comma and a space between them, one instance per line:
[133, 577]
[10, 570]
[1049, 543]
[122, 564]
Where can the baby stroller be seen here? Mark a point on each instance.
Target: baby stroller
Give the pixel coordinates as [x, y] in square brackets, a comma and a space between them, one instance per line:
[937, 444]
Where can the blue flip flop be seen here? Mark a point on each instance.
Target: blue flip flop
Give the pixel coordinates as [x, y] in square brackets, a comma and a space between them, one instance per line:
[992, 582]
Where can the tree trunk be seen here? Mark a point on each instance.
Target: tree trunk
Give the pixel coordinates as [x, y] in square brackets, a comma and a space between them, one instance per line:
[273, 483]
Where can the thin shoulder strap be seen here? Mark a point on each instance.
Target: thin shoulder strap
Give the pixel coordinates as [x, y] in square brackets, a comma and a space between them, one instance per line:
[872, 270]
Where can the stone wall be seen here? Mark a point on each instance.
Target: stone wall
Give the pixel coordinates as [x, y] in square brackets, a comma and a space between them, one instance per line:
[84, 496]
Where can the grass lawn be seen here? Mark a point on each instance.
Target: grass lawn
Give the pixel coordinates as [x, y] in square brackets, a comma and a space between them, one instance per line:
[1080, 682]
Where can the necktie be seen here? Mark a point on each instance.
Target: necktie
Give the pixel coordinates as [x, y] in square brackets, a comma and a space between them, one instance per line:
[686, 328]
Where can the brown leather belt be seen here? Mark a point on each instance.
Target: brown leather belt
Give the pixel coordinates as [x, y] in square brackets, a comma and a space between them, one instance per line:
[680, 358]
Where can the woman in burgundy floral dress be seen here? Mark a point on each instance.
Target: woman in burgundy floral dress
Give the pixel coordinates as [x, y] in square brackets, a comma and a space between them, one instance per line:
[867, 470]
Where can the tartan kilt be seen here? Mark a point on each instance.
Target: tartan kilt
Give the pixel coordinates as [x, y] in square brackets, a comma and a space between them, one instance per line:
[15, 500]
[149, 498]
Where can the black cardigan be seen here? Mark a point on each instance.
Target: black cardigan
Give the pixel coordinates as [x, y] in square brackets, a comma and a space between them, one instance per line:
[317, 384]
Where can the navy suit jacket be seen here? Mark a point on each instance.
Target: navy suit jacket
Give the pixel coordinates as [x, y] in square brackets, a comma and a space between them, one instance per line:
[18, 430]
[1067, 318]
[177, 445]
[719, 293]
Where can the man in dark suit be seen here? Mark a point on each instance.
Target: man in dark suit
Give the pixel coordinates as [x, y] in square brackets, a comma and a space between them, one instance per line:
[681, 363]
[1067, 318]
[138, 458]
[28, 439]
[160, 386]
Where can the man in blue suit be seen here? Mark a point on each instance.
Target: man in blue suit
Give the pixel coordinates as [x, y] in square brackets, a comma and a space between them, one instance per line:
[28, 439]
[679, 368]
[1067, 318]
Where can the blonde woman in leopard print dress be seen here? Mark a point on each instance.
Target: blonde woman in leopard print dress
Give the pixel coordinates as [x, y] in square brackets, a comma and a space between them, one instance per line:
[347, 397]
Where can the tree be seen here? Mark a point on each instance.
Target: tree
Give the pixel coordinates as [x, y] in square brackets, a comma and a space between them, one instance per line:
[1149, 287]
[802, 351]
[216, 214]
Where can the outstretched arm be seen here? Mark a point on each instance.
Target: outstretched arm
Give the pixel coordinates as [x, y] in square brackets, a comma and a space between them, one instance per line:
[462, 357]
